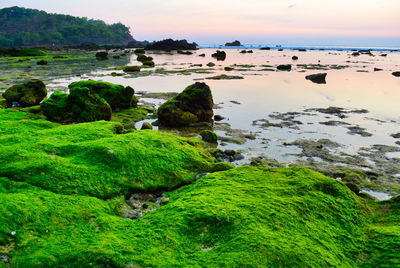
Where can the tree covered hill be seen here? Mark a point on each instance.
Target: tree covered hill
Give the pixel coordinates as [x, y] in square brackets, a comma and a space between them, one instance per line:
[31, 27]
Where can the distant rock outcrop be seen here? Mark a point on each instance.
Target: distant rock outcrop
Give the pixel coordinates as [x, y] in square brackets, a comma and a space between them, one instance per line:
[219, 55]
[191, 106]
[233, 44]
[169, 44]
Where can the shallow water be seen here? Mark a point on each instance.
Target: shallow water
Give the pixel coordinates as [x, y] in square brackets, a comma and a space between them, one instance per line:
[353, 85]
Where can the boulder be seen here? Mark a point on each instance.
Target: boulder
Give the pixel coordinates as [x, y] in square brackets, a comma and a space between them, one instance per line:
[102, 55]
[317, 78]
[117, 96]
[180, 51]
[265, 48]
[81, 105]
[26, 94]
[209, 136]
[284, 67]
[295, 58]
[169, 44]
[219, 55]
[193, 105]
[397, 74]
[146, 125]
[131, 69]
[142, 58]
[233, 44]
[140, 51]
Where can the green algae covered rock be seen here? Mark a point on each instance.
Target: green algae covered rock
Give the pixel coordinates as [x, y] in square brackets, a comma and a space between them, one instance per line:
[93, 158]
[27, 94]
[193, 105]
[209, 136]
[118, 96]
[79, 106]
[244, 217]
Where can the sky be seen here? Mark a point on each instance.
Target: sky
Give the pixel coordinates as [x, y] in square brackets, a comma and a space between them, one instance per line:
[363, 23]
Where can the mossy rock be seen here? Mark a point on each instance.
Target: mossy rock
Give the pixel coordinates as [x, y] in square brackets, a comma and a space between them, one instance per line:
[81, 105]
[56, 108]
[148, 63]
[131, 69]
[143, 58]
[209, 136]
[140, 51]
[27, 94]
[219, 55]
[118, 96]
[192, 105]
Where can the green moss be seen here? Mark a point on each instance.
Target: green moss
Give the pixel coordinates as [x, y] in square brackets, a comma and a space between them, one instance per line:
[129, 117]
[21, 52]
[56, 107]
[92, 159]
[244, 217]
[119, 97]
[148, 64]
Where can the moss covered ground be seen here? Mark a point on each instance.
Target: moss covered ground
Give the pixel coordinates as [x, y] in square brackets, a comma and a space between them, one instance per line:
[63, 189]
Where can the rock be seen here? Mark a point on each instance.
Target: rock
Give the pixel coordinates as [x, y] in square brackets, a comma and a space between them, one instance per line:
[233, 44]
[140, 51]
[202, 55]
[284, 67]
[302, 50]
[146, 125]
[243, 51]
[169, 44]
[210, 64]
[193, 105]
[377, 69]
[117, 96]
[201, 175]
[219, 55]
[317, 78]
[102, 55]
[295, 58]
[79, 106]
[143, 58]
[209, 136]
[131, 69]
[164, 201]
[228, 68]
[355, 54]
[42, 62]
[145, 205]
[180, 51]
[26, 94]
[397, 74]
[265, 48]
[218, 117]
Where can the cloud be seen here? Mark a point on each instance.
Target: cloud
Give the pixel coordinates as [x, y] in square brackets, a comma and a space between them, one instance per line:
[291, 6]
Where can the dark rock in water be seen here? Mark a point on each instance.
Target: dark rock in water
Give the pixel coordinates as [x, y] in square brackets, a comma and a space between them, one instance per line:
[265, 48]
[169, 44]
[42, 62]
[280, 49]
[26, 94]
[102, 55]
[202, 55]
[193, 105]
[209, 136]
[383, 55]
[218, 117]
[249, 51]
[143, 58]
[355, 54]
[219, 55]
[210, 64]
[233, 44]
[227, 155]
[295, 58]
[228, 68]
[180, 51]
[302, 49]
[284, 67]
[396, 135]
[397, 74]
[146, 125]
[317, 78]
[377, 69]
[243, 51]
[131, 69]
[117, 96]
[79, 106]
[139, 51]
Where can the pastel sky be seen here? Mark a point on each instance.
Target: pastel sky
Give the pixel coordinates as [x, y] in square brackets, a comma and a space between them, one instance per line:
[302, 22]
